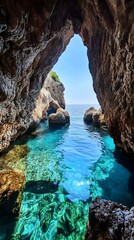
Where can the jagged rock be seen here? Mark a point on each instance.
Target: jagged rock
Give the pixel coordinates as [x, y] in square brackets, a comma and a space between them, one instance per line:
[110, 221]
[11, 186]
[33, 36]
[60, 118]
[51, 97]
[12, 180]
[56, 89]
[94, 116]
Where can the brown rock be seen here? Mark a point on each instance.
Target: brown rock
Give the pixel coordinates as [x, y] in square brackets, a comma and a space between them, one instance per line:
[88, 116]
[95, 117]
[60, 118]
[11, 186]
[12, 180]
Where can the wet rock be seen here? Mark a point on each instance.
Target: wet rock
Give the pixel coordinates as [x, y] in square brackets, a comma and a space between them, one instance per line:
[93, 116]
[60, 118]
[11, 186]
[12, 180]
[110, 221]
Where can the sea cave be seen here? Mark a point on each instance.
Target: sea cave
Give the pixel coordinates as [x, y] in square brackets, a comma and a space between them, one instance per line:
[65, 178]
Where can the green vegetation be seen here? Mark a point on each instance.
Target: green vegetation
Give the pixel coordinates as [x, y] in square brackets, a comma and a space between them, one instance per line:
[54, 76]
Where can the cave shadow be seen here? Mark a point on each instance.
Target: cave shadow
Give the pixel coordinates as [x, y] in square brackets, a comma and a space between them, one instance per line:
[126, 160]
[34, 132]
[118, 186]
[41, 187]
[118, 182]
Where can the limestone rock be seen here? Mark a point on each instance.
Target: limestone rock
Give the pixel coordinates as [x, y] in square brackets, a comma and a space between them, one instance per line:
[60, 118]
[56, 89]
[110, 221]
[51, 97]
[93, 116]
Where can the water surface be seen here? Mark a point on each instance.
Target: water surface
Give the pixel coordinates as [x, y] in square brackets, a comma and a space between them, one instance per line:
[66, 169]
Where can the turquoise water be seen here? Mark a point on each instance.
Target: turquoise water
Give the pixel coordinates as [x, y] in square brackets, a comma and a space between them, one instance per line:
[66, 169]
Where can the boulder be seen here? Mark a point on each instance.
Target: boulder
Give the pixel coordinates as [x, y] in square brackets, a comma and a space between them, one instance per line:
[95, 117]
[60, 118]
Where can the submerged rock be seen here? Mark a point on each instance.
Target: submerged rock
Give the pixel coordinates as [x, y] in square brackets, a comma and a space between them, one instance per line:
[11, 186]
[110, 221]
[12, 180]
[52, 216]
[60, 118]
[94, 116]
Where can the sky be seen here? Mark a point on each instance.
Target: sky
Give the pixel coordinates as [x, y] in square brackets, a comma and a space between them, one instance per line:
[72, 69]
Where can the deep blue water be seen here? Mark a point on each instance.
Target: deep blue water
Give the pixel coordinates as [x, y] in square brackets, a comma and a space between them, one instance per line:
[66, 169]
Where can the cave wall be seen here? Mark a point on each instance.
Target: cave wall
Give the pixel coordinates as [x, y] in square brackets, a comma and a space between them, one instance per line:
[108, 33]
[34, 33]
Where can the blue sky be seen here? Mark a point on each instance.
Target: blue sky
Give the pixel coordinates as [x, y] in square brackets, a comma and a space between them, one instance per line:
[72, 69]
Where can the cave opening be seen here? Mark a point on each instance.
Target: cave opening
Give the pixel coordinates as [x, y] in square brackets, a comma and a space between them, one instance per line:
[73, 71]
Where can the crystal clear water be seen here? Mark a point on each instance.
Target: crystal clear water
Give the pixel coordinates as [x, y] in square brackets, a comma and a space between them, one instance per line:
[66, 169]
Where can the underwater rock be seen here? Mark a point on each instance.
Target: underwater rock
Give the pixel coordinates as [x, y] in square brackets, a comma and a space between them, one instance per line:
[60, 118]
[12, 180]
[11, 186]
[52, 216]
[94, 116]
[110, 221]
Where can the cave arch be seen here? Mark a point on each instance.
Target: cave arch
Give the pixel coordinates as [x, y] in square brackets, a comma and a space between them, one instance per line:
[33, 34]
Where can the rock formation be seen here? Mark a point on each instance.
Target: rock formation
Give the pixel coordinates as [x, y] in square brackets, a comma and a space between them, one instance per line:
[94, 116]
[60, 118]
[56, 89]
[12, 180]
[33, 36]
[51, 97]
[110, 221]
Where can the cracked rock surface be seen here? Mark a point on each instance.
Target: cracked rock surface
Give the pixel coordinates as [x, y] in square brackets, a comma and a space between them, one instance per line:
[110, 221]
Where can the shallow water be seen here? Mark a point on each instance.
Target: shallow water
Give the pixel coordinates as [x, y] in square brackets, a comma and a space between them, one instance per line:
[66, 169]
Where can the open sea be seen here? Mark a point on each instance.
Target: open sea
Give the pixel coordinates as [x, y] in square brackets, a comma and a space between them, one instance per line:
[66, 169]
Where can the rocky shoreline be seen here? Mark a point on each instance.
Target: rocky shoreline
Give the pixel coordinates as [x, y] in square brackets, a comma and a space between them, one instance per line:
[109, 221]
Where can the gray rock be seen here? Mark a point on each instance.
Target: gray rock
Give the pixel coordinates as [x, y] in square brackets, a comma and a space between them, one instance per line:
[110, 221]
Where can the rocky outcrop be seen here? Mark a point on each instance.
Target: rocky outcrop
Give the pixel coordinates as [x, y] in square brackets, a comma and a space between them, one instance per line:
[93, 116]
[51, 97]
[110, 221]
[12, 180]
[33, 36]
[60, 118]
[56, 89]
